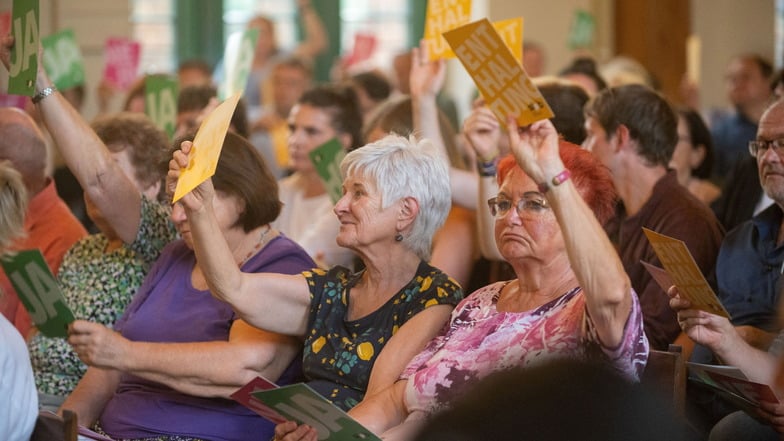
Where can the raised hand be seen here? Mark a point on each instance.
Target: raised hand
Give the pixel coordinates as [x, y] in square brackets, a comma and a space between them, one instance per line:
[483, 132]
[426, 77]
[200, 196]
[96, 345]
[535, 148]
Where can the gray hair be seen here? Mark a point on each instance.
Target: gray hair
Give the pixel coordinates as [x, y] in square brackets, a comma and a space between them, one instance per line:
[404, 167]
[13, 204]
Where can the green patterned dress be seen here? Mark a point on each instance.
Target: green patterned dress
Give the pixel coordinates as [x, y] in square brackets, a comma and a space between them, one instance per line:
[98, 286]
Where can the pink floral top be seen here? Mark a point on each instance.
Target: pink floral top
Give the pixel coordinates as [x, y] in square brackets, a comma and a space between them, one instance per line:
[481, 340]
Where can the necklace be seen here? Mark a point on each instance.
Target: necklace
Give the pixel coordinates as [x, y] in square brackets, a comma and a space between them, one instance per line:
[258, 246]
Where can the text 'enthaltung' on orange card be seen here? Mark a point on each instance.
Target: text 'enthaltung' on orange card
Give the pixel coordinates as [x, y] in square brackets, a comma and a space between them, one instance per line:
[684, 272]
[501, 80]
[442, 16]
[206, 148]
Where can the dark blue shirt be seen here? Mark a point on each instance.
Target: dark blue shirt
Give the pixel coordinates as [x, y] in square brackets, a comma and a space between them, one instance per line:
[748, 270]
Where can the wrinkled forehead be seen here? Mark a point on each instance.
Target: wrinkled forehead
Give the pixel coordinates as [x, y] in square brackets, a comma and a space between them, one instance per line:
[771, 124]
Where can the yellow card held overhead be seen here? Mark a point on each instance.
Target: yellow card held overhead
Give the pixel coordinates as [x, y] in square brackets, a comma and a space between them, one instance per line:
[684, 272]
[206, 148]
[442, 16]
[501, 80]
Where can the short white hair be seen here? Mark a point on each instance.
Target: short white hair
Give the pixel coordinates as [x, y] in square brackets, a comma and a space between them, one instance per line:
[405, 167]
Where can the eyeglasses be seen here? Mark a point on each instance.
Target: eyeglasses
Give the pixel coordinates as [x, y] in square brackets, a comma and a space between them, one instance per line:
[758, 147]
[531, 202]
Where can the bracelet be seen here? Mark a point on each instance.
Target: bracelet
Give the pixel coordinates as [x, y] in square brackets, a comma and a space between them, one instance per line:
[487, 169]
[43, 94]
[557, 180]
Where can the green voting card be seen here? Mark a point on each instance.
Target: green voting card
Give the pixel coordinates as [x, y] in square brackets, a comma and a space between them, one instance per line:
[38, 291]
[238, 60]
[160, 101]
[326, 158]
[300, 403]
[24, 54]
[63, 59]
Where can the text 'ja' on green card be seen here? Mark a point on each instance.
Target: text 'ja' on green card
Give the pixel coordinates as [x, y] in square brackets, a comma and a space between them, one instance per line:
[160, 101]
[24, 54]
[37, 289]
[300, 403]
[238, 61]
[327, 158]
[63, 59]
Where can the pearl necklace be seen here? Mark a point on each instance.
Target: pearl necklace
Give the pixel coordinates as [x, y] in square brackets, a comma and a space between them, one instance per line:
[257, 247]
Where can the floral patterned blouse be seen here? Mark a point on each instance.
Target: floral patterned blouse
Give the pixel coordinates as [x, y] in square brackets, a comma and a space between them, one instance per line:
[481, 340]
[339, 353]
[98, 286]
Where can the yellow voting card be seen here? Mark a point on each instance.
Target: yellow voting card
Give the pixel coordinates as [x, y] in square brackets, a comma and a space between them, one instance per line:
[203, 158]
[501, 80]
[684, 273]
[511, 32]
[442, 16]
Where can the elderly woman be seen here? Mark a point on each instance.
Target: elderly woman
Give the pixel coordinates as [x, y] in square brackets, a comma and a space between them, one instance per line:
[100, 274]
[17, 420]
[360, 329]
[177, 355]
[571, 297]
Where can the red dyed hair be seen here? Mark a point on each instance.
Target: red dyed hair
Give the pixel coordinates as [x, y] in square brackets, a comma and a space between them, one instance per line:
[591, 178]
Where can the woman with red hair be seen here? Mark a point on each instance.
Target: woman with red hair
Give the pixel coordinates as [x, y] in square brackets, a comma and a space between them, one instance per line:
[571, 297]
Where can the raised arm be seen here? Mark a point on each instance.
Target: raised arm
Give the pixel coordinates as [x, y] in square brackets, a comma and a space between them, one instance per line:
[483, 133]
[316, 38]
[426, 80]
[87, 157]
[593, 258]
[273, 302]
[206, 369]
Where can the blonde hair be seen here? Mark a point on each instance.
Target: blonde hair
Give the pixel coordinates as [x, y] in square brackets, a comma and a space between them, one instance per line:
[13, 204]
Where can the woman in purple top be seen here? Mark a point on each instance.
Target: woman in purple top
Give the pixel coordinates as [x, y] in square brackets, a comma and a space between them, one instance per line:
[571, 297]
[177, 355]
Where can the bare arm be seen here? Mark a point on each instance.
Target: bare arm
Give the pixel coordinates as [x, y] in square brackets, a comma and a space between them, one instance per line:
[207, 369]
[87, 157]
[593, 258]
[286, 301]
[316, 38]
[94, 390]
[483, 133]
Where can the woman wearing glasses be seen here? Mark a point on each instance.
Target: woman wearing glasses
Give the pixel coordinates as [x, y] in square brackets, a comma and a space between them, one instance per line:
[571, 297]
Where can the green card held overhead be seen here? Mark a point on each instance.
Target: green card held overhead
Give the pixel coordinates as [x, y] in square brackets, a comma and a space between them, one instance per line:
[326, 158]
[24, 54]
[160, 101]
[38, 291]
[238, 60]
[207, 145]
[63, 59]
[300, 403]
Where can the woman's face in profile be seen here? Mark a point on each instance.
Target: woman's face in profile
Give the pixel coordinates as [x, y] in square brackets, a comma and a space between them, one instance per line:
[309, 128]
[362, 220]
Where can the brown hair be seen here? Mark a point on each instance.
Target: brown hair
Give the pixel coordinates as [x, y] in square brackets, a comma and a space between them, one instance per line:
[147, 144]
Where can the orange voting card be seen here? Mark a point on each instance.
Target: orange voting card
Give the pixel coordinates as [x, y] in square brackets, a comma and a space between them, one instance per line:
[501, 80]
[206, 148]
[684, 272]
